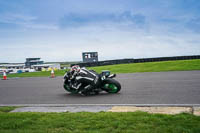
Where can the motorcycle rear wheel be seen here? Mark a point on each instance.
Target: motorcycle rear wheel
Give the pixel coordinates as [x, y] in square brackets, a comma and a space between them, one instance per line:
[111, 86]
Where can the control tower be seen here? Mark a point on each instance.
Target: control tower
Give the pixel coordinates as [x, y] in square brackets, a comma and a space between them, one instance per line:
[90, 56]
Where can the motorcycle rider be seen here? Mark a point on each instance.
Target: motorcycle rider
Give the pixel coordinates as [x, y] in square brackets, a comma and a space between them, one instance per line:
[82, 75]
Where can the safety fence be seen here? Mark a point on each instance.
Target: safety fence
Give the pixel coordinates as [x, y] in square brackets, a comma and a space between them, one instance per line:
[125, 61]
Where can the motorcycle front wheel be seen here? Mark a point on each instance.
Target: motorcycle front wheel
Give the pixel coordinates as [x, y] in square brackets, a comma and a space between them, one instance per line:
[111, 85]
[67, 88]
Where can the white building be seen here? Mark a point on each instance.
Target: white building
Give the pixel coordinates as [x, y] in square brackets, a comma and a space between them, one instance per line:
[16, 68]
[12, 66]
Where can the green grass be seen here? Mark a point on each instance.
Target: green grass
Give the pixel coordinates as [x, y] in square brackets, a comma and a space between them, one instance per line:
[37, 74]
[103, 122]
[181, 65]
[7, 109]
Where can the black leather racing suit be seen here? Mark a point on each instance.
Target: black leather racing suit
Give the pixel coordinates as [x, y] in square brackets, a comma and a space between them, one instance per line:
[88, 77]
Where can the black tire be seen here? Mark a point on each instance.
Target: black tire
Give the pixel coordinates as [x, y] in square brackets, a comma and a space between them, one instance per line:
[111, 82]
[68, 88]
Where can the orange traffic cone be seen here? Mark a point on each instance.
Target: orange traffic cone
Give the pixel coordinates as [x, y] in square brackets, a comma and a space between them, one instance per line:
[52, 74]
[4, 75]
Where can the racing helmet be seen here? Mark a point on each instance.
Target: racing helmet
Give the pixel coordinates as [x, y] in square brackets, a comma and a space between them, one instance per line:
[75, 68]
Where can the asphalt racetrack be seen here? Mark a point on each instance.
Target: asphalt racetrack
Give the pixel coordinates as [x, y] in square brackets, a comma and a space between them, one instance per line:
[140, 88]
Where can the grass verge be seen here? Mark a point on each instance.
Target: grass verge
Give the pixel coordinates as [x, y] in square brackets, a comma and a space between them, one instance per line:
[180, 65]
[37, 74]
[7, 109]
[84, 122]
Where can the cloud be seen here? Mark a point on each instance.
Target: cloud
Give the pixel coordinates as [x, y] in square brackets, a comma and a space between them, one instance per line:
[23, 21]
[60, 30]
[67, 45]
[75, 19]
[16, 18]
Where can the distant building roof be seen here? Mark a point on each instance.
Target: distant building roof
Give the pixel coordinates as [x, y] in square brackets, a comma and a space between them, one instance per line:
[35, 61]
[44, 65]
[33, 58]
[12, 65]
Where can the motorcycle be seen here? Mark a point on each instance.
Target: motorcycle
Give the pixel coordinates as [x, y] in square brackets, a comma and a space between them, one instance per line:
[105, 83]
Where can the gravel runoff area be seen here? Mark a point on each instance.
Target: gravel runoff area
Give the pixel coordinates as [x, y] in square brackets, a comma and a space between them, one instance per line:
[87, 108]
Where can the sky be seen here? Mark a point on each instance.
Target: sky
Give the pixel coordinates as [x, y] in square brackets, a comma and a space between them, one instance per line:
[60, 30]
